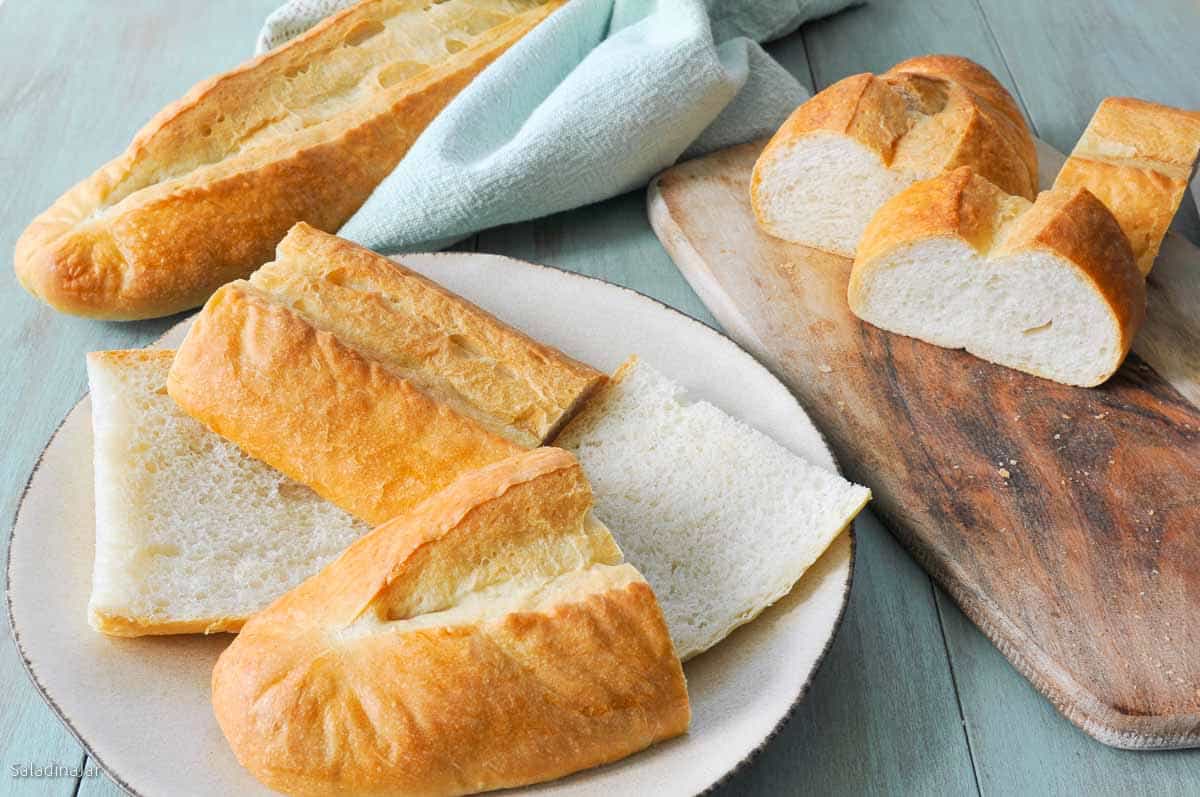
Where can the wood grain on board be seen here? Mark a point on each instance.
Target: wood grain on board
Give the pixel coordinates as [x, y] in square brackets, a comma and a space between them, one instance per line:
[1061, 519]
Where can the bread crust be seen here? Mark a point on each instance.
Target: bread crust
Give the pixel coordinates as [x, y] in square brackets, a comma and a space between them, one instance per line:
[921, 117]
[338, 688]
[1136, 157]
[1070, 223]
[328, 411]
[203, 210]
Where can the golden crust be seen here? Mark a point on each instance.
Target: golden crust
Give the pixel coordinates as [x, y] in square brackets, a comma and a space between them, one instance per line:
[1071, 223]
[1136, 156]
[186, 209]
[119, 625]
[340, 686]
[348, 419]
[921, 117]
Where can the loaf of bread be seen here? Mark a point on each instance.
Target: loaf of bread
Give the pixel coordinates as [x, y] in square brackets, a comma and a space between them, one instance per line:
[721, 519]
[192, 535]
[491, 638]
[1049, 288]
[366, 381]
[1055, 289]
[1136, 157]
[846, 151]
[303, 133]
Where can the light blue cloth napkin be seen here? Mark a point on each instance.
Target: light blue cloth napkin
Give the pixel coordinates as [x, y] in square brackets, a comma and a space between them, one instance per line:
[592, 103]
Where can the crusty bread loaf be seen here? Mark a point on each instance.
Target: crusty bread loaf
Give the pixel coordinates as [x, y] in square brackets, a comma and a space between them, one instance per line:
[1051, 288]
[851, 147]
[366, 381]
[192, 535]
[1136, 157]
[491, 638]
[721, 519]
[303, 133]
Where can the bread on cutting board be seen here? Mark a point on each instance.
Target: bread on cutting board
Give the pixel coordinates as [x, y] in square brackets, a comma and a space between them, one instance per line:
[1136, 157]
[722, 520]
[851, 147]
[302, 133]
[192, 535]
[1055, 288]
[491, 638]
[366, 381]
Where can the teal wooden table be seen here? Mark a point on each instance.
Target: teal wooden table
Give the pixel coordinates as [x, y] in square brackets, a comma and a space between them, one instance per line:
[911, 699]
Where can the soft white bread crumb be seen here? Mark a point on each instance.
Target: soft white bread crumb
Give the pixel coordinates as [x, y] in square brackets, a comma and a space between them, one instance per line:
[720, 519]
[191, 534]
[822, 189]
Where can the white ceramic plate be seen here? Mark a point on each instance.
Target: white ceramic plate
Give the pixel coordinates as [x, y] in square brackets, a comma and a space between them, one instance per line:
[141, 706]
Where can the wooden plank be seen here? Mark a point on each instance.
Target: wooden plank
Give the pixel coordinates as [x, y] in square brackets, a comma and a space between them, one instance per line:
[75, 83]
[882, 711]
[1056, 50]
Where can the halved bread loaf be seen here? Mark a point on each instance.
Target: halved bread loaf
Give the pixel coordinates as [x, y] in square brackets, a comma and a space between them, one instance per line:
[846, 151]
[722, 520]
[192, 535]
[303, 133]
[1056, 289]
[491, 638]
[366, 381]
[1136, 157]
[1051, 288]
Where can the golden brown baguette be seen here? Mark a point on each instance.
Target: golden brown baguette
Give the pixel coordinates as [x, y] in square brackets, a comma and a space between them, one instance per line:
[1137, 157]
[1051, 288]
[844, 152]
[302, 133]
[366, 381]
[492, 638]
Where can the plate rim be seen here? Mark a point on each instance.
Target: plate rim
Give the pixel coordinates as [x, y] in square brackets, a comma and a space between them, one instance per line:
[849, 531]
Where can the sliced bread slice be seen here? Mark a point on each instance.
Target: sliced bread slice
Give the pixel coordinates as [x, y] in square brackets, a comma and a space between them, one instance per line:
[192, 535]
[720, 519]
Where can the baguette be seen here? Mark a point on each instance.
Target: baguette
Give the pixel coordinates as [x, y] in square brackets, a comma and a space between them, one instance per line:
[492, 638]
[192, 535]
[366, 381]
[302, 133]
[846, 151]
[1136, 157]
[1051, 288]
[1057, 289]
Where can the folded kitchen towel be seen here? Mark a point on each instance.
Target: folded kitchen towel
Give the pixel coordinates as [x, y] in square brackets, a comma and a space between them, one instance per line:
[590, 104]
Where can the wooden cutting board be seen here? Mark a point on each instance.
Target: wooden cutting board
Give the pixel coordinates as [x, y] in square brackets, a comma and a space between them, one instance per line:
[1064, 521]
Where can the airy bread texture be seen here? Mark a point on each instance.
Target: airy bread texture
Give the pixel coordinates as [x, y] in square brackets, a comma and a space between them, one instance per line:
[192, 535]
[367, 381]
[491, 638]
[1051, 288]
[1136, 157]
[721, 519]
[303, 133]
[850, 148]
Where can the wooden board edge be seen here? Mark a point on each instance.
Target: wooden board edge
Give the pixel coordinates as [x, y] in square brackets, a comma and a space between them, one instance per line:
[1103, 722]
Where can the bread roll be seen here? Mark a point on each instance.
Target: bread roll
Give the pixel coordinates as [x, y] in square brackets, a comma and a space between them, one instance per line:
[1051, 288]
[846, 151]
[492, 638]
[721, 519]
[302, 133]
[366, 381]
[192, 535]
[1136, 157]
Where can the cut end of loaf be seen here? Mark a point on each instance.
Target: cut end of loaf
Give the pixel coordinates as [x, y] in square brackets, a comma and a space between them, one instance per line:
[1031, 311]
[820, 190]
